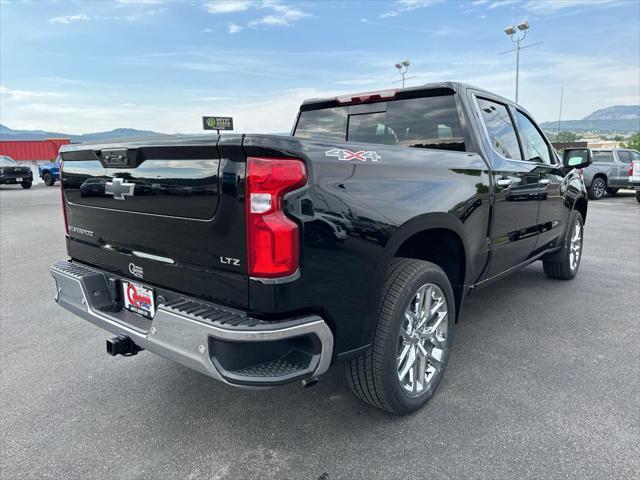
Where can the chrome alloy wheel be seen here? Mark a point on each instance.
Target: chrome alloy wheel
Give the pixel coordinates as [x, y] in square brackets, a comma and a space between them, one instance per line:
[599, 187]
[423, 339]
[575, 247]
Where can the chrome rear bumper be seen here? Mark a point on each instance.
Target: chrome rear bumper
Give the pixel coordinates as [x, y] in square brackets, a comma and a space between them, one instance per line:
[220, 342]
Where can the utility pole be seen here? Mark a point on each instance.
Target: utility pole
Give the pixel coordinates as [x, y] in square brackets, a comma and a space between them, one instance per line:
[560, 114]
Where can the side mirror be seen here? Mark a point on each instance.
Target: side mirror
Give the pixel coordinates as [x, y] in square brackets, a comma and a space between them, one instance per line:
[576, 157]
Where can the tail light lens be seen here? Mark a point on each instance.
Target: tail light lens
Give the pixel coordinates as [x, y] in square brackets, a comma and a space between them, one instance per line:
[631, 170]
[64, 208]
[273, 245]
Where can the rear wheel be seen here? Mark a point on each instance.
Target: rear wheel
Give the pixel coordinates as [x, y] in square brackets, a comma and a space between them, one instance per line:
[48, 179]
[565, 266]
[26, 184]
[412, 341]
[612, 191]
[638, 195]
[597, 189]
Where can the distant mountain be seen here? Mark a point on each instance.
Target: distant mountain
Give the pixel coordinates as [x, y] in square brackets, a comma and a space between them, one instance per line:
[617, 112]
[7, 133]
[617, 118]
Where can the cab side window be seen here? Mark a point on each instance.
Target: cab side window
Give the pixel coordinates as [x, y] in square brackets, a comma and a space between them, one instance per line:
[535, 147]
[603, 156]
[500, 128]
[624, 156]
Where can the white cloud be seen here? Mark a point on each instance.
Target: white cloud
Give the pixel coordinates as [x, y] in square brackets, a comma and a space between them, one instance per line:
[67, 19]
[547, 6]
[413, 4]
[8, 94]
[143, 2]
[280, 14]
[552, 6]
[408, 5]
[502, 3]
[213, 98]
[227, 6]
[284, 19]
[155, 11]
[283, 14]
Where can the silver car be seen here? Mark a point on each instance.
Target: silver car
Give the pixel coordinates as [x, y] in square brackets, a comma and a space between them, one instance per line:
[609, 171]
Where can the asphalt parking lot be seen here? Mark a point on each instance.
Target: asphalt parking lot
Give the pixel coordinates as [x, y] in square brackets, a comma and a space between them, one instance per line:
[543, 382]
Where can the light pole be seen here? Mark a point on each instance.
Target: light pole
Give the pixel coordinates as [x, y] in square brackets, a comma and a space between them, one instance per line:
[402, 67]
[517, 34]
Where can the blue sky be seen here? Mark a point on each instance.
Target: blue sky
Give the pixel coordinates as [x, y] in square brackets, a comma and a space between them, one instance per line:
[83, 66]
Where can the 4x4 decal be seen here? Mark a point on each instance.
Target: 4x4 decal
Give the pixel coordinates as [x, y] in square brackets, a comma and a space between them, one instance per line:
[347, 155]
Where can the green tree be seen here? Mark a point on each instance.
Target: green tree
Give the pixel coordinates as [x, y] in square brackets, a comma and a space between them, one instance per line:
[564, 137]
[634, 141]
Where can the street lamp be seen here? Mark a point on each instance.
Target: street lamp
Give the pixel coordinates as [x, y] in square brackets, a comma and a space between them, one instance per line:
[402, 67]
[517, 34]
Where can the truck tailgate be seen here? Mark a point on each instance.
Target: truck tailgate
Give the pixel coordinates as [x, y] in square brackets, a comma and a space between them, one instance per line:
[168, 214]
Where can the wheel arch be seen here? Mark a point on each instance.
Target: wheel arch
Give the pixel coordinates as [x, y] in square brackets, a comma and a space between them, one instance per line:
[601, 175]
[438, 238]
[581, 206]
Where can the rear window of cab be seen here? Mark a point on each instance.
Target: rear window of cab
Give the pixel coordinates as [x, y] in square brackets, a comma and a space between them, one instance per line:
[427, 122]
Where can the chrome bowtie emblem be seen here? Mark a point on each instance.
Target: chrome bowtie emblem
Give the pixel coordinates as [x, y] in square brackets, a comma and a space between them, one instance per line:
[119, 189]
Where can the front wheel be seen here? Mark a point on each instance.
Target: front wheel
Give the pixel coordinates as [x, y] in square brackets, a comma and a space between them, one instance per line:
[26, 185]
[597, 189]
[412, 341]
[638, 195]
[48, 179]
[565, 265]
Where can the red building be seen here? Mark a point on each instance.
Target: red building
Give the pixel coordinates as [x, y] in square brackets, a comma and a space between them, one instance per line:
[32, 150]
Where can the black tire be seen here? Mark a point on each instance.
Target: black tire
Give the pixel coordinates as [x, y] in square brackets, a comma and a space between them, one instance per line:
[26, 185]
[561, 265]
[638, 195]
[612, 191]
[48, 179]
[597, 188]
[373, 376]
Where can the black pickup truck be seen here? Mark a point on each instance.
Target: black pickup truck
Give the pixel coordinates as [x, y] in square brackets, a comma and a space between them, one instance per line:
[262, 259]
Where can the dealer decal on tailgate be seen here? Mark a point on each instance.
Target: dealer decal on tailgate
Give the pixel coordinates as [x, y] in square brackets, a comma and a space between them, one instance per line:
[138, 299]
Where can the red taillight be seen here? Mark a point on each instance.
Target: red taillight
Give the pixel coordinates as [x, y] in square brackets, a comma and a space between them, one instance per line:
[273, 245]
[64, 208]
[631, 170]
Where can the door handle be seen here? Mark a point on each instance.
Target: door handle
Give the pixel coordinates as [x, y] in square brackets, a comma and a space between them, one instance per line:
[503, 182]
[544, 181]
